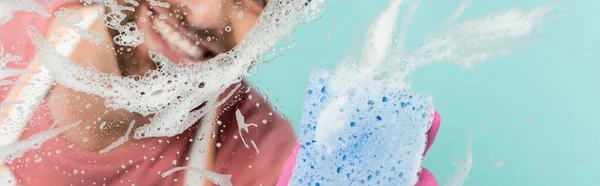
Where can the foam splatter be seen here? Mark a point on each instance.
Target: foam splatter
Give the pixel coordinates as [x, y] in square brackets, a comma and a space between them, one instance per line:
[10, 6]
[15, 150]
[179, 88]
[217, 179]
[159, 4]
[6, 58]
[70, 19]
[243, 126]
[329, 143]
[33, 89]
[129, 33]
[119, 141]
[462, 168]
[468, 43]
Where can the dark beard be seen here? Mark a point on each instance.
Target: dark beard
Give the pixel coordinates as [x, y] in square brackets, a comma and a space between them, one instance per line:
[129, 59]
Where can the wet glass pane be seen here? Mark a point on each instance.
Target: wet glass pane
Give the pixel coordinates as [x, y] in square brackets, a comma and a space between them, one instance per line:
[297, 92]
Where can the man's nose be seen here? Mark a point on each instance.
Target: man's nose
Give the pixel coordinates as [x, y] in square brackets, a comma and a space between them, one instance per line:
[204, 14]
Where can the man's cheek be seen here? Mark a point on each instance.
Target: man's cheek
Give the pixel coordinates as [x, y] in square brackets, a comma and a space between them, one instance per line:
[204, 13]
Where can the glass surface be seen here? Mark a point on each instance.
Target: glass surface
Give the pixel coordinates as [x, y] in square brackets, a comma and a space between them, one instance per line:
[298, 92]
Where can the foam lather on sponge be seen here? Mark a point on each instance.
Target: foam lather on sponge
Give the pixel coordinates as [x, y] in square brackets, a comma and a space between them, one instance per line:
[372, 135]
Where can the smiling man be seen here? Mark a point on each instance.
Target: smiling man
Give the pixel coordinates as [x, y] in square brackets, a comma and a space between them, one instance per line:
[197, 30]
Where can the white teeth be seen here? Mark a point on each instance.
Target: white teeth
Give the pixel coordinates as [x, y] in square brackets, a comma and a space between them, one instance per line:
[177, 42]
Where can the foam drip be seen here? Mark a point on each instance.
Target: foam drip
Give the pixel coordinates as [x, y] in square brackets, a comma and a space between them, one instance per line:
[243, 126]
[119, 141]
[463, 167]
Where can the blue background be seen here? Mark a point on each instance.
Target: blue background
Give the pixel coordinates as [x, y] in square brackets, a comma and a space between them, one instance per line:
[533, 110]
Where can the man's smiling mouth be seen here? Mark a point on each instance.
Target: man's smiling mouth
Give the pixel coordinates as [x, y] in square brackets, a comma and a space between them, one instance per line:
[175, 39]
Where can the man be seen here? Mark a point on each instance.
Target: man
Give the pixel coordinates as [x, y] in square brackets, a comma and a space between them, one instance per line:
[72, 158]
[184, 29]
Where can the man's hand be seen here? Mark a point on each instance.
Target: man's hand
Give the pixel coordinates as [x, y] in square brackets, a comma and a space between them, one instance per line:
[426, 178]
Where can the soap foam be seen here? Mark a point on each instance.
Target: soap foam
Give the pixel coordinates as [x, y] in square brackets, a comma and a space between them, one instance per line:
[15, 150]
[468, 43]
[6, 58]
[177, 88]
[11, 6]
[243, 126]
[465, 43]
[217, 179]
[462, 168]
[332, 153]
[70, 19]
[174, 88]
[119, 141]
[129, 33]
[378, 138]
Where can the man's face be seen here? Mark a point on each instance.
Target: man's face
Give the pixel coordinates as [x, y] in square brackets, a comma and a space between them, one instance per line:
[190, 29]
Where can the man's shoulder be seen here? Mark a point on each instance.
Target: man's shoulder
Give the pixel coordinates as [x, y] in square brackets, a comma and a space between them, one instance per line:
[254, 110]
[259, 157]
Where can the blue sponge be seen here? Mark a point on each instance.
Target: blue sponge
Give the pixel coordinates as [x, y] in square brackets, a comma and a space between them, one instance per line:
[376, 137]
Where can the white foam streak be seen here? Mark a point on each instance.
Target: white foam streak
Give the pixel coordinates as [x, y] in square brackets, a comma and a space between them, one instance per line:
[331, 120]
[458, 12]
[133, 2]
[6, 82]
[380, 39]
[462, 168]
[465, 43]
[407, 19]
[243, 126]
[15, 150]
[33, 89]
[71, 19]
[175, 89]
[471, 42]
[255, 147]
[216, 178]
[15, 72]
[159, 3]
[468, 43]
[129, 34]
[349, 77]
[11, 6]
[171, 121]
[4, 103]
[6, 58]
[119, 141]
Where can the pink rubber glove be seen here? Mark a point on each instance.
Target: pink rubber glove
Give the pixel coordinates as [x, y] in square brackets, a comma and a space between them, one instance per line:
[426, 178]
